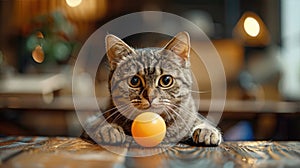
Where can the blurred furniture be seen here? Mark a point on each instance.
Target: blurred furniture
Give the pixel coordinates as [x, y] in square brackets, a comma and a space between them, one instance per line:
[74, 152]
[43, 105]
[33, 85]
[23, 91]
[31, 105]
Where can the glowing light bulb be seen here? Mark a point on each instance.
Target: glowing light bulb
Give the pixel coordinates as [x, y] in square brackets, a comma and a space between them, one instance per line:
[73, 3]
[251, 26]
[38, 54]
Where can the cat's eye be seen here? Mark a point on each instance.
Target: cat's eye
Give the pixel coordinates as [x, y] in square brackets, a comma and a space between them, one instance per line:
[134, 81]
[166, 81]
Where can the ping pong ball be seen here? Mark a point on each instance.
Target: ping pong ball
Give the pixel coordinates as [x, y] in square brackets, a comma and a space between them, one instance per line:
[148, 129]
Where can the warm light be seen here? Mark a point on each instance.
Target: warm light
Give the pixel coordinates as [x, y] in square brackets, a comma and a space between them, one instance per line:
[250, 30]
[251, 26]
[73, 3]
[38, 54]
[88, 10]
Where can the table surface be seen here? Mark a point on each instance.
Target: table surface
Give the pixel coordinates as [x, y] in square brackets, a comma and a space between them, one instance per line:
[74, 152]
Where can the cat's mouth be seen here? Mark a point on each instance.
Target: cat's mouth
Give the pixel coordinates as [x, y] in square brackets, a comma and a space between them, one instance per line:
[139, 106]
[145, 104]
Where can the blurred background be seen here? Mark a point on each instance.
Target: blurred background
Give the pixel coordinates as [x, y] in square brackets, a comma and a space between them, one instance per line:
[257, 40]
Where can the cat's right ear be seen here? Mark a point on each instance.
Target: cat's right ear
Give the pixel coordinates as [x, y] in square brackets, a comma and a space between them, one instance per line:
[116, 50]
[180, 45]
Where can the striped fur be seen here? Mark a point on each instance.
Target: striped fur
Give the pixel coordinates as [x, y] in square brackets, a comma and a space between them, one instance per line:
[152, 79]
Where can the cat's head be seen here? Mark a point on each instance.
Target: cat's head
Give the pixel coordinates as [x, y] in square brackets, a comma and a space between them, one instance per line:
[149, 79]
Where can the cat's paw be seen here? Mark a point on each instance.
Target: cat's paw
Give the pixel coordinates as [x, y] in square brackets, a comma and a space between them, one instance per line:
[206, 135]
[110, 134]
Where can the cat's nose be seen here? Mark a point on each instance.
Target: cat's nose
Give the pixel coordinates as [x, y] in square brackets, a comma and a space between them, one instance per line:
[149, 94]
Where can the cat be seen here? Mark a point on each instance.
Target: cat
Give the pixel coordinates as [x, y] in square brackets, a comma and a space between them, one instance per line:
[151, 79]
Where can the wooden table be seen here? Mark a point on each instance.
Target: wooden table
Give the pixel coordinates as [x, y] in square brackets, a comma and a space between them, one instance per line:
[74, 152]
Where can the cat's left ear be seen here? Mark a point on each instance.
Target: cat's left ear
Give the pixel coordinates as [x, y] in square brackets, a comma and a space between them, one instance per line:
[180, 45]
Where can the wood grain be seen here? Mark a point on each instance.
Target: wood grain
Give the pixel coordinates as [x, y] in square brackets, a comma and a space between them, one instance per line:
[74, 152]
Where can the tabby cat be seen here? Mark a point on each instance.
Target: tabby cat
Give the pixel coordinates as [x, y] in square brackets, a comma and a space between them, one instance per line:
[151, 79]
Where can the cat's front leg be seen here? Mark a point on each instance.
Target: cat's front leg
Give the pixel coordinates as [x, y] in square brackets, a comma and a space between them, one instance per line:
[206, 134]
[106, 134]
[110, 134]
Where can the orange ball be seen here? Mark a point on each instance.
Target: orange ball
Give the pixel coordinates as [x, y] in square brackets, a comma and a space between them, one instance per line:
[148, 129]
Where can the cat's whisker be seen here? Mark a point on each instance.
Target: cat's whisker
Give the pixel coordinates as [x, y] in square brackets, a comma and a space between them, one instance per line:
[185, 129]
[176, 124]
[183, 121]
[126, 110]
[189, 113]
[92, 125]
[115, 112]
[100, 115]
[200, 92]
[131, 114]
[106, 119]
[116, 118]
[181, 107]
[114, 108]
